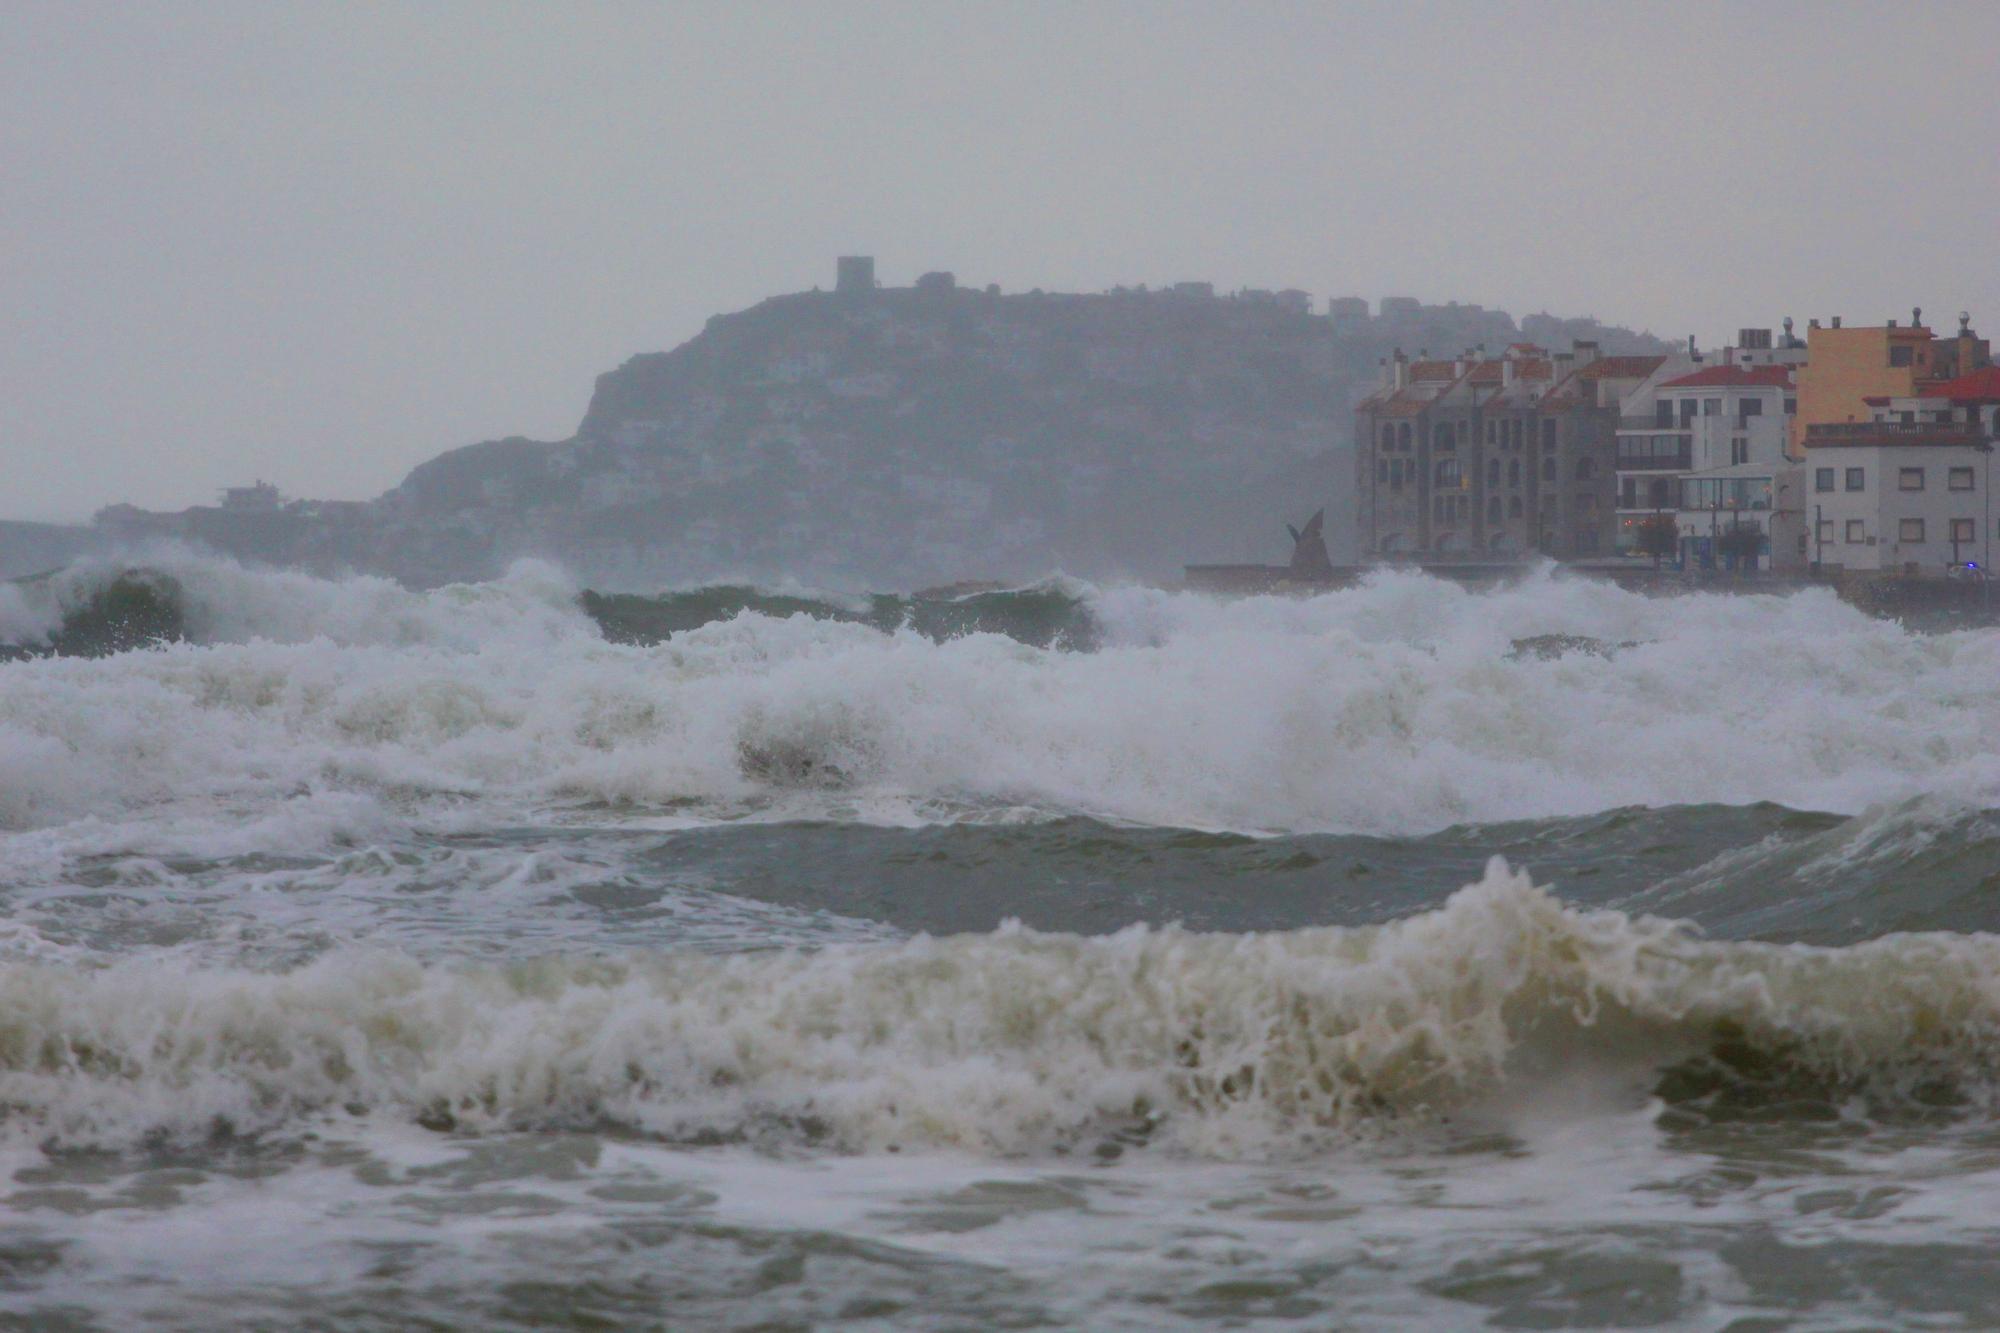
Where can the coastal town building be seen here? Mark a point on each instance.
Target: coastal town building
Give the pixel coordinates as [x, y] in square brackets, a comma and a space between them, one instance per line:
[1910, 490]
[1493, 457]
[1710, 447]
[1845, 367]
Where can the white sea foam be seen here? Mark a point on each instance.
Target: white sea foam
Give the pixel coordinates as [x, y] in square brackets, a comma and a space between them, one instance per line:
[1394, 707]
[1003, 1043]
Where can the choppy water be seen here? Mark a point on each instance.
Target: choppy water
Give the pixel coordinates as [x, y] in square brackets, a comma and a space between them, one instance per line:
[1080, 957]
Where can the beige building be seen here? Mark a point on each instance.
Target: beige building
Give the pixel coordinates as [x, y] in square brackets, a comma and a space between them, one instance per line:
[1845, 367]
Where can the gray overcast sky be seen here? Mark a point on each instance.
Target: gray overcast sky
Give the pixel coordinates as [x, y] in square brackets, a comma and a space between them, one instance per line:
[321, 243]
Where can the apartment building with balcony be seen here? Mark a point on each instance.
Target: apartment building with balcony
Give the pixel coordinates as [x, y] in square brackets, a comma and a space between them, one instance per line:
[1910, 490]
[1706, 442]
[1484, 458]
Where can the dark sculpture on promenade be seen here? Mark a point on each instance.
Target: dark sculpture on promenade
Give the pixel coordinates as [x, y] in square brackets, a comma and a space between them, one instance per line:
[1309, 557]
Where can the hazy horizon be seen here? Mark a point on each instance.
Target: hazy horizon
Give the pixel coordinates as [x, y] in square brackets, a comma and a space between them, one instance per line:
[319, 246]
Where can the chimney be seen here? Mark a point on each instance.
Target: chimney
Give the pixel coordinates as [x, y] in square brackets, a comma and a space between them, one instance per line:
[1836, 321]
[1506, 372]
[1692, 354]
[1916, 316]
[1401, 369]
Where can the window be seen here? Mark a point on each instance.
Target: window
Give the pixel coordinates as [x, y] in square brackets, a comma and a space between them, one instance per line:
[1726, 493]
[1749, 407]
[1822, 478]
[1446, 473]
[1492, 472]
[1959, 479]
[1824, 531]
[1688, 406]
[1492, 429]
[1739, 452]
[1962, 530]
[1388, 437]
[1514, 472]
[1514, 507]
[1584, 469]
[1711, 407]
[1900, 356]
[1857, 479]
[1493, 510]
[1381, 470]
[1663, 412]
[1549, 468]
[1586, 502]
[1909, 478]
[1910, 530]
[1441, 437]
[1791, 407]
[1549, 434]
[1857, 532]
[1628, 494]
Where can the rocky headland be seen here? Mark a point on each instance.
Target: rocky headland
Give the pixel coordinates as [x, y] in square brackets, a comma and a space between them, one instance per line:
[894, 437]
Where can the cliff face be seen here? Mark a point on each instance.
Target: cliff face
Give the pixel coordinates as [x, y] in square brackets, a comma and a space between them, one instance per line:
[900, 437]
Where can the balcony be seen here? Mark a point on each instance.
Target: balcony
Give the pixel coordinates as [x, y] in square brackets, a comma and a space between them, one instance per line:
[1647, 460]
[1651, 424]
[1896, 432]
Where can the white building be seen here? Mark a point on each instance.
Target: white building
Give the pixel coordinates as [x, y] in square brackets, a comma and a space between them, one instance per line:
[1709, 448]
[1911, 491]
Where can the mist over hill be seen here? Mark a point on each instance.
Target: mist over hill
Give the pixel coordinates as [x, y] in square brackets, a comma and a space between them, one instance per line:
[896, 437]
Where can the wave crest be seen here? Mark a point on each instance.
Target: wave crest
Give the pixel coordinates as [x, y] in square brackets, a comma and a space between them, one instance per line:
[1002, 1043]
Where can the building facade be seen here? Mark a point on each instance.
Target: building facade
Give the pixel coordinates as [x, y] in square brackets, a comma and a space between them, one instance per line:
[1909, 491]
[1846, 367]
[1493, 458]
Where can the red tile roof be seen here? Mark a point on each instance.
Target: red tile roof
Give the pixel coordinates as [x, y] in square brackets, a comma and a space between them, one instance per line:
[1981, 386]
[1734, 377]
[1621, 367]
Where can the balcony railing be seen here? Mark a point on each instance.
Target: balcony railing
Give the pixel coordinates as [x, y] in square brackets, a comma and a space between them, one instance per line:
[1681, 460]
[1651, 424]
[1939, 432]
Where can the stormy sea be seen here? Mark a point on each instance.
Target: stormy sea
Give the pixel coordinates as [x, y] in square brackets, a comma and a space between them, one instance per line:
[508, 956]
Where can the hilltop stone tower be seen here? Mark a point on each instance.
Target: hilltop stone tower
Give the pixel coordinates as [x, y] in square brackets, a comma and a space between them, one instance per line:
[854, 275]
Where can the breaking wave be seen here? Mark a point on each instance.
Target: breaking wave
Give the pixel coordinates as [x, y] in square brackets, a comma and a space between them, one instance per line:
[1401, 706]
[101, 607]
[1012, 1042]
